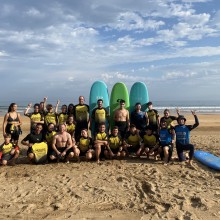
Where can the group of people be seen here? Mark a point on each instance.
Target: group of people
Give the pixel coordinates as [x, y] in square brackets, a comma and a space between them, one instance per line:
[74, 133]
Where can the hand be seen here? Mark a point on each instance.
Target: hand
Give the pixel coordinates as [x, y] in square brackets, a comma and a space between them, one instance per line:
[29, 105]
[193, 112]
[177, 111]
[63, 154]
[58, 102]
[45, 98]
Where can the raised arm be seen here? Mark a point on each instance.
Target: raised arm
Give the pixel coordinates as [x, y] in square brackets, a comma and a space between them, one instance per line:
[57, 105]
[27, 109]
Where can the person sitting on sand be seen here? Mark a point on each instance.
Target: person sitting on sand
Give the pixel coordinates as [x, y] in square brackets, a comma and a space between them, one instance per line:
[85, 145]
[183, 137]
[169, 118]
[166, 137]
[121, 118]
[150, 144]
[115, 143]
[132, 141]
[31, 139]
[62, 145]
[36, 117]
[8, 151]
[101, 142]
[49, 138]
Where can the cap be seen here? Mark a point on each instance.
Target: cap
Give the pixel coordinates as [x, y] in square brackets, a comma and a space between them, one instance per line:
[181, 117]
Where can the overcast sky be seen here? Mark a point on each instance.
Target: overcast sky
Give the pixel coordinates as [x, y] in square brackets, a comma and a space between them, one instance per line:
[59, 48]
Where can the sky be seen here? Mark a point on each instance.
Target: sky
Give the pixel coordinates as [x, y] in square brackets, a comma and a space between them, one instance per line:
[58, 49]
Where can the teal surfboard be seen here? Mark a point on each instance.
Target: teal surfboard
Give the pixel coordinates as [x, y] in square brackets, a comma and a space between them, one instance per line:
[208, 159]
[98, 91]
[119, 91]
[139, 93]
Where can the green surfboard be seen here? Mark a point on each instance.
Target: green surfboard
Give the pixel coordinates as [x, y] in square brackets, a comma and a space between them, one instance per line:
[119, 91]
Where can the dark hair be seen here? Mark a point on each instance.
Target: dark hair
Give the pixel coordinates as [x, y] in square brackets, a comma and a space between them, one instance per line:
[10, 106]
[37, 105]
[115, 127]
[121, 100]
[99, 100]
[166, 110]
[132, 126]
[7, 135]
[103, 123]
[138, 103]
[68, 109]
[149, 103]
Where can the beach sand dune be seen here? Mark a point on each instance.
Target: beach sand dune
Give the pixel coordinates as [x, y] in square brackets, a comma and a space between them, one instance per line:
[126, 189]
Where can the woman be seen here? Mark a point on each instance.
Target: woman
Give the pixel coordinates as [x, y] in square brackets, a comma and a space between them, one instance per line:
[12, 123]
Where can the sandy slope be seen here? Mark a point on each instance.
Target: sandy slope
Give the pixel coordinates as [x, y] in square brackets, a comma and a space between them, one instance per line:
[129, 189]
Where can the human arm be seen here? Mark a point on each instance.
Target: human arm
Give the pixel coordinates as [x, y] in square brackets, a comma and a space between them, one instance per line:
[27, 109]
[196, 124]
[5, 123]
[57, 105]
[54, 145]
[45, 103]
[26, 141]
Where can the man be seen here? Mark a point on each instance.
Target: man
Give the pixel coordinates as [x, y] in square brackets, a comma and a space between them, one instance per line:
[81, 116]
[99, 115]
[36, 117]
[139, 118]
[62, 145]
[121, 118]
[183, 137]
[31, 139]
[153, 118]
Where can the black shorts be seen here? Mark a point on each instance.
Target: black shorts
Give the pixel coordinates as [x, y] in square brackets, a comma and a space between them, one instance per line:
[115, 151]
[7, 156]
[122, 127]
[133, 149]
[61, 149]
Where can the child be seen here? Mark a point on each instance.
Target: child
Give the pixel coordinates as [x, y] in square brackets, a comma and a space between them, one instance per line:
[166, 141]
[101, 142]
[85, 145]
[115, 145]
[149, 144]
[132, 141]
[9, 152]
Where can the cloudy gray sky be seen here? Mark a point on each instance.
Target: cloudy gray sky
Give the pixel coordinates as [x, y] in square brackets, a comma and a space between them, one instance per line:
[59, 48]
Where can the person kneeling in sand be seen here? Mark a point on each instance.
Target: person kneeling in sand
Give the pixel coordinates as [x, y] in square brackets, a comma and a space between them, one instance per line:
[62, 145]
[101, 142]
[85, 145]
[166, 141]
[183, 138]
[150, 144]
[8, 151]
[115, 147]
[132, 141]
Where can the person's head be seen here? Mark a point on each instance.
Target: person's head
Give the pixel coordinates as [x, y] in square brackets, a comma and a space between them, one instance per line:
[102, 127]
[84, 133]
[122, 103]
[38, 128]
[7, 138]
[49, 107]
[163, 124]
[166, 113]
[138, 106]
[41, 105]
[36, 107]
[133, 129]
[64, 108]
[115, 131]
[12, 107]
[81, 100]
[70, 119]
[150, 105]
[50, 127]
[149, 130]
[70, 108]
[62, 127]
[181, 120]
[100, 102]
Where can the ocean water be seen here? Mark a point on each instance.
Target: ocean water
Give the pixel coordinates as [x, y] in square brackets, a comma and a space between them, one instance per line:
[203, 107]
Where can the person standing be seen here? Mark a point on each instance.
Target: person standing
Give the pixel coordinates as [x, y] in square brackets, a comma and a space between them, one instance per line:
[81, 116]
[12, 123]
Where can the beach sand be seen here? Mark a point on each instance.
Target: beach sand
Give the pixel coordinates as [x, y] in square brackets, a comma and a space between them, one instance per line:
[127, 189]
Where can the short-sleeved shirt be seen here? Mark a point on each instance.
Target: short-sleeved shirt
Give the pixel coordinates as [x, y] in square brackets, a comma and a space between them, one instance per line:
[35, 117]
[114, 141]
[101, 136]
[85, 144]
[150, 140]
[132, 139]
[6, 148]
[81, 113]
[99, 115]
[34, 138]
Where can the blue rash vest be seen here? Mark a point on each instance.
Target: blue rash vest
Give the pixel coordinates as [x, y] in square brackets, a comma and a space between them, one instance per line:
[165, 137]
